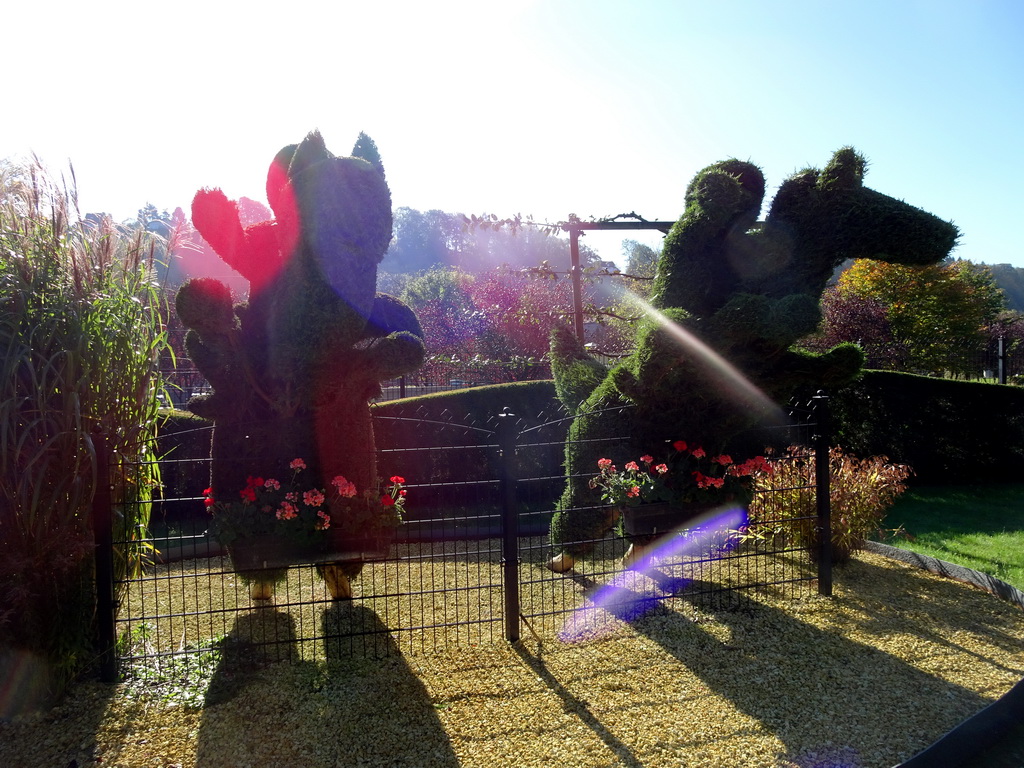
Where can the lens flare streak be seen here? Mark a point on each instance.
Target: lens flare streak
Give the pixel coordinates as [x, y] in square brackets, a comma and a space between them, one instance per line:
[636, 592]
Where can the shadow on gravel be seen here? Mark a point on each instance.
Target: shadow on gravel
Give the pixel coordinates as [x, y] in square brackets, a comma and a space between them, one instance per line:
[28, 709]
[364, 706]
[875, 708]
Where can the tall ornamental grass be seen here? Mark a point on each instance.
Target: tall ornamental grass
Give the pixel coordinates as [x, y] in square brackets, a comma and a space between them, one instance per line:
[79, 338]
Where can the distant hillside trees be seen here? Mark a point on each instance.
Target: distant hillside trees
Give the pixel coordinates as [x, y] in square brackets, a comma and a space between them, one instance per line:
[426, 239]
[1010, 280]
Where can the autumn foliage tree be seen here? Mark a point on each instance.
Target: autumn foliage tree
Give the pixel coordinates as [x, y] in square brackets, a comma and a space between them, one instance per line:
[912, 318]
[499, 319]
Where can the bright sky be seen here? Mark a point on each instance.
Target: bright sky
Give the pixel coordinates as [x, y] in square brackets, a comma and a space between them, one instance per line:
[539, 107]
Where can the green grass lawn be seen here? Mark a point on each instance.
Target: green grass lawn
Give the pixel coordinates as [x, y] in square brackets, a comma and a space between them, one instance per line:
[980, 527]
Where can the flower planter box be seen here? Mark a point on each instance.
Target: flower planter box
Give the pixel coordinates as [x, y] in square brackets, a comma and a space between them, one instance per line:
[659, 518]
[274, 552]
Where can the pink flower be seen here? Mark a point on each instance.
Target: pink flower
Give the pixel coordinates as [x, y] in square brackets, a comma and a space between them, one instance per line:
[325, 521]
[313, 498]
[292, 496]
[633, 466]
[345, 488]
[287, 511]
[661, 469]
[646, 459]
[698, 453]
[725, 460]
[633, 492]
[297, 464]
[605, 464]
[272, 485]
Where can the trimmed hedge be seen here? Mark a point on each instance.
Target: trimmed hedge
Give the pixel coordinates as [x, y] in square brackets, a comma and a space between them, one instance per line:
[438, 421]
[183, 446]
[949, 432]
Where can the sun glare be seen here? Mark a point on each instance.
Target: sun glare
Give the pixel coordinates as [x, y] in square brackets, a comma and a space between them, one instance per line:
[637, 591]
[731, 381]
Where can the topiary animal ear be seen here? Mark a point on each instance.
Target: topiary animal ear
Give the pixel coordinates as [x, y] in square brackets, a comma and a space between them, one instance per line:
[366, 149]
[844, 171]
[217, 220]
[279, 193]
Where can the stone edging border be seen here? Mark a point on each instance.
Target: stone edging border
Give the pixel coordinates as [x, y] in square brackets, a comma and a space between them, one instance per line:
[959, 747]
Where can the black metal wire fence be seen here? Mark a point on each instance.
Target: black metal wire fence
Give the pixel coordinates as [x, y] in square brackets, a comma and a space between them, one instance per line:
[467, 568]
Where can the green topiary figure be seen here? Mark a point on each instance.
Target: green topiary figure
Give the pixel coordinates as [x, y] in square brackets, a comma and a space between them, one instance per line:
[746, 289]
[293, 369]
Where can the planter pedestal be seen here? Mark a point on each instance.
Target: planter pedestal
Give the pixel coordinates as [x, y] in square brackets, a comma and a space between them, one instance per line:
[336, 556]
[659, 518]
[644, 524]
[261, 590]
[257, 553]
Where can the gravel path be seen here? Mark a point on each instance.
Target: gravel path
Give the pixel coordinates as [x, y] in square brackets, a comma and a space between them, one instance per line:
[864, 679]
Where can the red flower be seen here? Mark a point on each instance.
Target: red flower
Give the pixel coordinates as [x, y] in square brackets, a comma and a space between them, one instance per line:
[387, 501]
[397, 479]
[679, 445]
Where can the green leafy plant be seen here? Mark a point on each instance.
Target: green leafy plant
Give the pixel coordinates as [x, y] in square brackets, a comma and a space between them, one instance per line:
[861, 491]
[688, 474]
[298, 510]
[79, 339]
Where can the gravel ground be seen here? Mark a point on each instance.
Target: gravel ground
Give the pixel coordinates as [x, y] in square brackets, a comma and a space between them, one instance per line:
[864, 679]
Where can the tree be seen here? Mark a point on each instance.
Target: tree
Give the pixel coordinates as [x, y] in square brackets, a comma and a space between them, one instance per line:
[420, 241]
[498, 315]
[424, 240]
[152, 219]
[935, 311]
[442, 301]
[641, 259]
[849, 317]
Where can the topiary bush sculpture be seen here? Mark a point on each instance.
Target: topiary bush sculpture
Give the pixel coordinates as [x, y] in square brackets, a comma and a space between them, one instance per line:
[293, 369]
[746, 289]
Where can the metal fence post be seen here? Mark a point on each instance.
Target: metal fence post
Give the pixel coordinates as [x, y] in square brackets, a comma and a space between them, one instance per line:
[103, 535]
[506, 434]
[1001, 360]
[823, 494]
